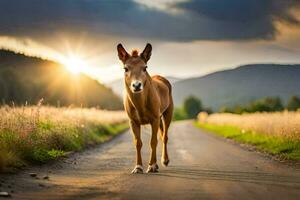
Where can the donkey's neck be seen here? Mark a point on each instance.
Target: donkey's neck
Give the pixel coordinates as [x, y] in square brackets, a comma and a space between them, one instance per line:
[139, 100]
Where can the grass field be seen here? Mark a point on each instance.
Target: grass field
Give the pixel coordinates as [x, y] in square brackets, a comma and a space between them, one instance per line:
[38, 134]
[277, 133]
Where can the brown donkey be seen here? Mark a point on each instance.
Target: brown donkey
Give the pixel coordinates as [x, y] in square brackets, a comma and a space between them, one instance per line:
[148, 100]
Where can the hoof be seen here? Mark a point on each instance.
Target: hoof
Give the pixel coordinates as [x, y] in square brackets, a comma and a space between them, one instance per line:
[152, 168]
[137, 170]
[165, 162]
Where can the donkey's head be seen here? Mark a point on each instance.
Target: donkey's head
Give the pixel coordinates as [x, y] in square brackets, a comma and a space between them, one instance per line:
[135, 67]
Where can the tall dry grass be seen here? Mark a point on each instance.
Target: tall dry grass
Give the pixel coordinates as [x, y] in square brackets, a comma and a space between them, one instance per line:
[25, 119]
[281, 124]
[39, 133]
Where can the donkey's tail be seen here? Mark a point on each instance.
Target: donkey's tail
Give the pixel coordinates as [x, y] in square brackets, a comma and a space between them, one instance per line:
[161, 127]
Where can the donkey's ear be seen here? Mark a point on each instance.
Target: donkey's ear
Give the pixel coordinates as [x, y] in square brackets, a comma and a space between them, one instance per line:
[122, 53]
[146, 54]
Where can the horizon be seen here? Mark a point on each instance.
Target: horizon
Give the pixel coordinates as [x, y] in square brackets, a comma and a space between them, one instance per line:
[181, 78]
[205, 37]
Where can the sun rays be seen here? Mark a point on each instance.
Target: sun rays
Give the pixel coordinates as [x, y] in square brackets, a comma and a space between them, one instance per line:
[75, 64]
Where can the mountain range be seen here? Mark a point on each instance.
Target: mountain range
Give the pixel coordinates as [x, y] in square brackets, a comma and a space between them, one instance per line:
[240, 85]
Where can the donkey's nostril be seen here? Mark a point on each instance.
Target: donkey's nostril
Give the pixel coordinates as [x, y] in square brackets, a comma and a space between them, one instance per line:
[137, 86]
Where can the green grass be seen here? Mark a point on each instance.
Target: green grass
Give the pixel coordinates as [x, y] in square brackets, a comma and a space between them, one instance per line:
[179, 114]
[51, 140]
[283, 147]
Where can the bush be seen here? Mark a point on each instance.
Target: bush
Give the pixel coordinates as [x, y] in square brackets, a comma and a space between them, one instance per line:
[179, 114]
[192, 106]
[268, 104]
[293, 103]
[225, 109]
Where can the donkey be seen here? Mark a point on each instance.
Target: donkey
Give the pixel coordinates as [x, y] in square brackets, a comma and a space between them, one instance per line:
[148, 100]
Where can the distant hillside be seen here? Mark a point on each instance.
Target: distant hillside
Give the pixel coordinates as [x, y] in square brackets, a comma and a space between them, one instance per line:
[27, 79]
[241, 85]
[118, 85]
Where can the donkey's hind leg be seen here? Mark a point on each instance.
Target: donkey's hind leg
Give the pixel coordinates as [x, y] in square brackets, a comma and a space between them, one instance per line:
[167, 118]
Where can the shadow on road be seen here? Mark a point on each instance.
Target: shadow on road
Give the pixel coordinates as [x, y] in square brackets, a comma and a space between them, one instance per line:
[237, 176]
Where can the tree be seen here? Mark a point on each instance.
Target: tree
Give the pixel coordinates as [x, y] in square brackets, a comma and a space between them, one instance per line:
[293, 103]
[207, 110]
[192, 106]
[225, 109]
[275, 104]
[268, 104]
[238, 109]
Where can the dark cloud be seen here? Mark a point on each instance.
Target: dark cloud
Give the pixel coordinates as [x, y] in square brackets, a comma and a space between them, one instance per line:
[244, 19]
[201, 20]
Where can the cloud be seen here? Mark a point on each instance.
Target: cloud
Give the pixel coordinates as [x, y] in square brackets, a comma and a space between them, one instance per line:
[200, 20]
[29, 47]
[247, 19]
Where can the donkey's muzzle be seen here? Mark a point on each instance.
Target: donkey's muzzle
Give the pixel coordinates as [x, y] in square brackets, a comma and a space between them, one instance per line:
[136, 86]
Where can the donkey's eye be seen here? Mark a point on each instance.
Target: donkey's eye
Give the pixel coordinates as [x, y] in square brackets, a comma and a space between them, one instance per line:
[145, 68]
[125, 69]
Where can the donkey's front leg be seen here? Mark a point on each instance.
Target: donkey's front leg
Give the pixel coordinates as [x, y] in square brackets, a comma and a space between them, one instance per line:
[136, 130]
[153, 167]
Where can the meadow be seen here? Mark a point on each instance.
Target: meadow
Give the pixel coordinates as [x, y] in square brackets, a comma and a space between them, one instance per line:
[37, 134]
[277, 133]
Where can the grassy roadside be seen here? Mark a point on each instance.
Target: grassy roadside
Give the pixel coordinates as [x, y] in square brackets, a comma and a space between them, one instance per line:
[50, 142]
[38, 135]
[283, 147]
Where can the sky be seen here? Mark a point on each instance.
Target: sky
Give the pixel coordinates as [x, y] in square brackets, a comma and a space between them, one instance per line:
[189, 37]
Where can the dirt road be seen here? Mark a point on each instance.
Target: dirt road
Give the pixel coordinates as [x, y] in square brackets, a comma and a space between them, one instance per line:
[202, 166]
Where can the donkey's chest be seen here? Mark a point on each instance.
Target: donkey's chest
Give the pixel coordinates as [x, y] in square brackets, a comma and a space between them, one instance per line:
[143, 112]
[144, 117]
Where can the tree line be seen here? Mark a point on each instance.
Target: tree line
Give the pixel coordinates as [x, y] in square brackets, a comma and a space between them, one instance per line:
[193, 105]
[267, 104]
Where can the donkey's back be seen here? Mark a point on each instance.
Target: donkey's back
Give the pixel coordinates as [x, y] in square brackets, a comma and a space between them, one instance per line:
[164, 80]
[164, 89]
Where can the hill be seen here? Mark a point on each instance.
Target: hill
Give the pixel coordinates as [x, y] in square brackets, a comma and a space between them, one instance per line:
[28, 79]
[240, 85]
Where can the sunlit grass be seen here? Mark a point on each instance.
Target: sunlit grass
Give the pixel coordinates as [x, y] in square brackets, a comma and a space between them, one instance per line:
[276, 133]
[41, 133]
[282, 124]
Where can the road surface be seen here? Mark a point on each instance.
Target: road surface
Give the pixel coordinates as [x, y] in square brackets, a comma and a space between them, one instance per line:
[203, 166]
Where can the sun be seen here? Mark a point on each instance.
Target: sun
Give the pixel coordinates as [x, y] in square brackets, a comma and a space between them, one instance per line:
[74, 64]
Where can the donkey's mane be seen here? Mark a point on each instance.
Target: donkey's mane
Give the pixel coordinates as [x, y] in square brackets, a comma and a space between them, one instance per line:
[135, 53]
